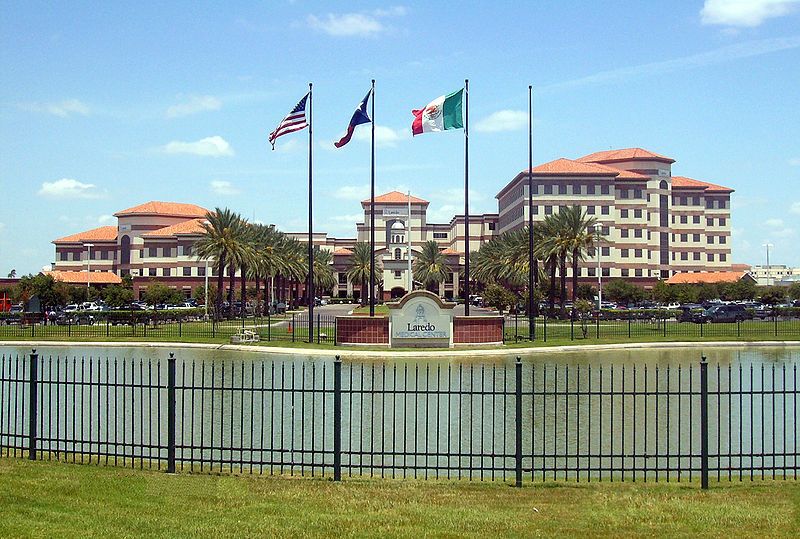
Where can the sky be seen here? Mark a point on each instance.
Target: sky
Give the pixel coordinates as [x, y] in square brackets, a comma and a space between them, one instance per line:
[104, 106]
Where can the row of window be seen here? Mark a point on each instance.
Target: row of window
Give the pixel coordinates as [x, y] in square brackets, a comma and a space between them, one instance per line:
[684, 220]
[721, 240]
[166, 252]
[710, 257]
[710, 203]
[65, 256]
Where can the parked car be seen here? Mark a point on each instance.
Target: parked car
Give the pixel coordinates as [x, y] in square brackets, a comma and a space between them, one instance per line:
[688, 312]
[723, 313]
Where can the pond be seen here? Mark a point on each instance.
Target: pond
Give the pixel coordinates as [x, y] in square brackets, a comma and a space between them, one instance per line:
[582, 414]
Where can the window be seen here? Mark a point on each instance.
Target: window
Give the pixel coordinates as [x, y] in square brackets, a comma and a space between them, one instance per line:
[696, 219]
[398, 254]
[562, 189]
[683, 219]
[624, 272]
[637, 214]
[696, 238]
[605, 230]
[684, 256]
[638, 273]
[548, 189]
[187, 271]
[696, 201]
[623, 233]
[591, 272]
[342, 278]
[590, 210]
[152, 252]
[722, 239]
[637, 233]
[590, 252]
[187, 250]
[709, 221]
[151, 272]
[606, 272]
[709, 240]
[536, 210]
[62, 255]
[491, 227]
[684, 237]
[623, 193]
[637, 193]
[709, 204]
[604, 210]
[167, 251]
[166, 272]
[623, 214]
[548, 210]
[398, 274]
[604, 190]
[623, 253]
[710, 257]
[590, 189]
[722, 221]
[696, 256]
[605, 251]
[723, 257]
[201, 271]
[443, 235]
[637, 253]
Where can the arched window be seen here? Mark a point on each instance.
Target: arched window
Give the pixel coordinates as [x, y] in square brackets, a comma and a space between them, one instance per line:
[398, 254]
[125, 244]
[663, 185]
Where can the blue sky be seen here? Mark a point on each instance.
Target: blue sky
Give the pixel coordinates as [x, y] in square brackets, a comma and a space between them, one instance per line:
[106, 107]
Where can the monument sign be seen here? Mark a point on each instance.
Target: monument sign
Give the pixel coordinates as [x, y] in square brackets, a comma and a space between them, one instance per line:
[420, 319]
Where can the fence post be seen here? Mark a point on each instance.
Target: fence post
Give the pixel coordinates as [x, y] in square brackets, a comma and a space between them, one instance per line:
[775, 319]
[180, 326]
[738, 328]
[317, 328]
[704, 423]
[664, 323]
[572, 326]
[33, 328]
[69, 327]
[518, 429]
[171, 413]
[701, 328]
[629, 327]
[597, 325]
[294, 327]
[269, 325]
[337, 419]
[545, 328]
[213, 329]
[32, 404]
[107, 326]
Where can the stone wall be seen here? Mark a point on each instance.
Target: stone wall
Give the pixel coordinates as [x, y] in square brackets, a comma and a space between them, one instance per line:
[477, 329]
[362, 330]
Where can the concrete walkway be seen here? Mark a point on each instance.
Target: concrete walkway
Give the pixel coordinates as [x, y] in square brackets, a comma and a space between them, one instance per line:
[346, 352]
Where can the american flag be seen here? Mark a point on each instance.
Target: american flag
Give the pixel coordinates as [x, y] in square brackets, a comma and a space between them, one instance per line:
[294, 121]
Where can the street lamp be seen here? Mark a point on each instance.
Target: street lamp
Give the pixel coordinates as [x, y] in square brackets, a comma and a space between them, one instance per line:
[88, 264]
[768, 245]
[599, 273]
[205, 289]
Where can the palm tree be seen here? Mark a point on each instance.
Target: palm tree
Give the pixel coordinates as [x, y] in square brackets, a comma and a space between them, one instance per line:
[579, 228]
[430, 265]
[12, 274]
[220, 239]
[323, 270]
[359, 271]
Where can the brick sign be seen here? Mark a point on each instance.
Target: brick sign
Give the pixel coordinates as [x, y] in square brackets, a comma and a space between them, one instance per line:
[421, 319]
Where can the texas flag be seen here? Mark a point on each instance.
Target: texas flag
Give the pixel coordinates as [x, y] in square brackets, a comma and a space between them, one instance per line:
[360, 116]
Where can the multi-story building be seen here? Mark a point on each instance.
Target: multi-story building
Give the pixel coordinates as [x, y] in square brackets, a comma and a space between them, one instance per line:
[775, 274]
[653, 224]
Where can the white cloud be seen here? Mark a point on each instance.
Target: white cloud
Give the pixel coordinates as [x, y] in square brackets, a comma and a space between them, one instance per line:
[223, 187]
[795, 208]
[748, 13]
[795, 162]
[503, 120]
[774, 222]
[729, 53]
[105, 219]
[352, 192]
[286, 146]
[385, 137]
[69, 188]
[215, 146]
[193, 105]
[352, 218]
[444, 213]
[62, 108]
[354, 24]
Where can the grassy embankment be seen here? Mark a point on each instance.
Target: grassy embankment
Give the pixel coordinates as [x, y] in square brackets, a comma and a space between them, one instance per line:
[63, 500]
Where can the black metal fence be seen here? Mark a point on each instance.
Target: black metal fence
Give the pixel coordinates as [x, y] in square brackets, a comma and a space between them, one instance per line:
[498, 421]
[137, 325]
[634, 326]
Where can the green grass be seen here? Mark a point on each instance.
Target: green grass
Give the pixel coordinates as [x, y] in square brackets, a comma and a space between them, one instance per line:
[380, 310]
[47, 499]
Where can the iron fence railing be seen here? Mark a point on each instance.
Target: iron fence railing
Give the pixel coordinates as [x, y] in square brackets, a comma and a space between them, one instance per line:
[497, 421]
[153, 326]
[594, 327]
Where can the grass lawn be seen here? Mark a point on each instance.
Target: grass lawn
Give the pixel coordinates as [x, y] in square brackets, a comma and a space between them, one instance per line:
[46, 499]
[380, 310]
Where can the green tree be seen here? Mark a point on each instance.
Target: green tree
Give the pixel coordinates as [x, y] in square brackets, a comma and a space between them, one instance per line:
[772, 295]
[51, 293]
[622, 291]
[117, 296]
[323, 271]
[664, 293]
[12, 274]
[158, 293]
[499, 297]
[586, 291]
[583, 310]
[430, 266]
[359, 270]
[794, 291]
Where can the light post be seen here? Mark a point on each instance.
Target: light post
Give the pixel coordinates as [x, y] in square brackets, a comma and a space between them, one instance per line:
[88, 266]
[768, 245]
[599, 275]
[408, 231]
[205, 289]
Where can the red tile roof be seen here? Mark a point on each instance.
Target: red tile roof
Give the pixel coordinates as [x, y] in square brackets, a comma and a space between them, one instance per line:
[103, 233]
[707, 277]
[568, 167]
[342, 251]
[80, 277]
[191, 227]
[682, 182]
[626, 154]
[450, 251]
[395, 197]
[172, 209]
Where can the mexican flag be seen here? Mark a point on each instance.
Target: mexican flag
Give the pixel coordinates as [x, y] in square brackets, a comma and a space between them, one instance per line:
[441, 114]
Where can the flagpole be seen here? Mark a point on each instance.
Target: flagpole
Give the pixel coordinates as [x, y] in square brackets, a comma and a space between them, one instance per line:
[531, 262]
[466, 197]
[372, 214]
[310, 284]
